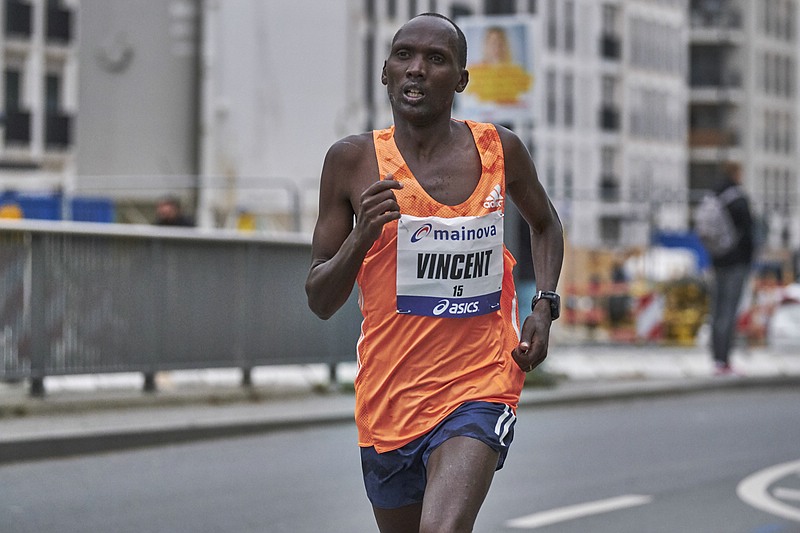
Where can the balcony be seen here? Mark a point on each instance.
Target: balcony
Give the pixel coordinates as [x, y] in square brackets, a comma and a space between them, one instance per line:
[724, 18]
[609, 118]
[723, 26]
[609, 189]
[712, 138]
[59, 25]
[610, 230]
[702, 76]
[19, 19]
[18, 127]
[610, 47]
[57, 130]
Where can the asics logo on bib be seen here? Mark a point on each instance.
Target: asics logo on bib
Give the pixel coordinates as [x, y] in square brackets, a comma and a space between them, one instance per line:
[460, 308]
[495, 199]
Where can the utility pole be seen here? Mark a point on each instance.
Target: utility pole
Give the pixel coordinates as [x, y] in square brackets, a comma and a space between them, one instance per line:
[206, 23]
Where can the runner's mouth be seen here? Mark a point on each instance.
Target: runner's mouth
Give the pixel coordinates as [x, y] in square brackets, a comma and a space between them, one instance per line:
[413, 93]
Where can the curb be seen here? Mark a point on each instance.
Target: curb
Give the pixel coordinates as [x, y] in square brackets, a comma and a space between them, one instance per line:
[631, 390]
[55, 404]
[52, 447]
[330, 409]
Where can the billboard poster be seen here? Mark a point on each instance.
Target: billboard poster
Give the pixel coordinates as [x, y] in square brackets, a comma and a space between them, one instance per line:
[500, 65]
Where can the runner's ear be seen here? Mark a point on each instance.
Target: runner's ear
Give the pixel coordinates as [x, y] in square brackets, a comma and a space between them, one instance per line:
[462, 84]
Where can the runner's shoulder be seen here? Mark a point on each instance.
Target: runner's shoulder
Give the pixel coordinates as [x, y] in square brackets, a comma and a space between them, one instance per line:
[351, 150]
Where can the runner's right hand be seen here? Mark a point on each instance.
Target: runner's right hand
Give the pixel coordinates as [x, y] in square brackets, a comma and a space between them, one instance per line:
[377, 206]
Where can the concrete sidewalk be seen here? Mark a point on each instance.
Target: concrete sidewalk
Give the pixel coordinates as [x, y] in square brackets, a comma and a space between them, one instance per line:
[87, 414]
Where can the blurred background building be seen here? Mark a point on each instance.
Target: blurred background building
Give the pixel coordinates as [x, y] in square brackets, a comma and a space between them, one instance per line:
[39, 94]
[231, 105]
[744, 103]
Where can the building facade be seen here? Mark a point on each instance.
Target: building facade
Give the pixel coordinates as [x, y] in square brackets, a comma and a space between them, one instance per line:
[638, 104]
[39, 62]
[607, 129]
[137, 133]
[744, 104]
[609, 139]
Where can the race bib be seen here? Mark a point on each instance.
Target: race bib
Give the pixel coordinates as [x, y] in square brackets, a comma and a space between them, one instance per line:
[449, 267]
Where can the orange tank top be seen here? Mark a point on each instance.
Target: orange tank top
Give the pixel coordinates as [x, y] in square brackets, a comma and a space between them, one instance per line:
[414, 370]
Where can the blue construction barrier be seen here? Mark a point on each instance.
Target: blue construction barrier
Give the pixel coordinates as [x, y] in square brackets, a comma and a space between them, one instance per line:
[50, 207]
[92, 210]
[41, 207]
[688, 240]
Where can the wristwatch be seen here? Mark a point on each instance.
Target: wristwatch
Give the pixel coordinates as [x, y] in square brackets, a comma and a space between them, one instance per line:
[555, 302]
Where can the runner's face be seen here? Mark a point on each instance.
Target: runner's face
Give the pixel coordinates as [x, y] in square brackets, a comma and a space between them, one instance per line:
[422, 72]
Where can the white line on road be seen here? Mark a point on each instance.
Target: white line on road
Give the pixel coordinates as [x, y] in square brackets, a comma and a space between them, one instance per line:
[572, 512]
[783, 493]
[754, 490]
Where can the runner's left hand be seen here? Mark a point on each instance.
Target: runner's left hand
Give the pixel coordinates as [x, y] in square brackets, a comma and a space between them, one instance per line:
[534, 340]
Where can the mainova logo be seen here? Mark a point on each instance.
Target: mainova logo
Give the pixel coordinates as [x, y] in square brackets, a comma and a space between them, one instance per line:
[421, 233]
[462, 234]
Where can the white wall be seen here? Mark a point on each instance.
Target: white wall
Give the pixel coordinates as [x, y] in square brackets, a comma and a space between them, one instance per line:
[280, 88]
[281, 78]
[136, 105]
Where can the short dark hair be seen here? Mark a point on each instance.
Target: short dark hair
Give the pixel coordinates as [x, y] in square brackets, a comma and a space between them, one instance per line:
[462, 39]
[170, 200]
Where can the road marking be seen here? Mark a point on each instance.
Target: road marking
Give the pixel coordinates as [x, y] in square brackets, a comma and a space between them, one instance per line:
[572, 512]
[754, 490]
[782, 493]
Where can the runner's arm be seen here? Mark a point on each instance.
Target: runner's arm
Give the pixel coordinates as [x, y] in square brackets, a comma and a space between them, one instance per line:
[339, 246]
[547, 244]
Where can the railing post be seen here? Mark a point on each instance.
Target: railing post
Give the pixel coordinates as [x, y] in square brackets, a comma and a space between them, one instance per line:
[149, 382]
[37, 387]
[247, 377]
[158, 338]
[39, 334]
[333, 378]
[297, 203]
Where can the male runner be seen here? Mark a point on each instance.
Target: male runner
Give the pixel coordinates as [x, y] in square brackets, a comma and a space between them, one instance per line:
[441, 356]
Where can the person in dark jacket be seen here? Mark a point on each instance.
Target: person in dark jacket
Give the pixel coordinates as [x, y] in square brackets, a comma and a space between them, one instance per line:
[170, 213]
[731, 272]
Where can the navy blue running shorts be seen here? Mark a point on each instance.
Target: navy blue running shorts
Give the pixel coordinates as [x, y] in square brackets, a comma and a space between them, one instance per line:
[397, 478]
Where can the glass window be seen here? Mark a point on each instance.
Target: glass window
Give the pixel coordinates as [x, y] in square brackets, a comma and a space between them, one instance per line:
[569, 26]
[552, 25]
[499, 7]
[609, 20]
[550, 83]
[52, 93]
[13, 81]
[569, 97]
[568, 174]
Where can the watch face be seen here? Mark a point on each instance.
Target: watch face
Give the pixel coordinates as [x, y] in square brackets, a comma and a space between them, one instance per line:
[555, 307]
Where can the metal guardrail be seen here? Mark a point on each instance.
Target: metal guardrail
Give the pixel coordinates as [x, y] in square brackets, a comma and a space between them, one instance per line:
[79, 298]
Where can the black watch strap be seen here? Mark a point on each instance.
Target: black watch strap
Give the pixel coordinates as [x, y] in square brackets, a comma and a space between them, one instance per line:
[553, 299]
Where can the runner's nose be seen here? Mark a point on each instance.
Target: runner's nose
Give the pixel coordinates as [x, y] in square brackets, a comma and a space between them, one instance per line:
[416, 67]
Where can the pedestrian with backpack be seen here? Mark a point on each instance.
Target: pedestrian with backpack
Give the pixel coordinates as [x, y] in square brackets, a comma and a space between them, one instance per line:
[724, 224]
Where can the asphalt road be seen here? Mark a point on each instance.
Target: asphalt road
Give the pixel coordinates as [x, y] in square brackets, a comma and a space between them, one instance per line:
[722, 462]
